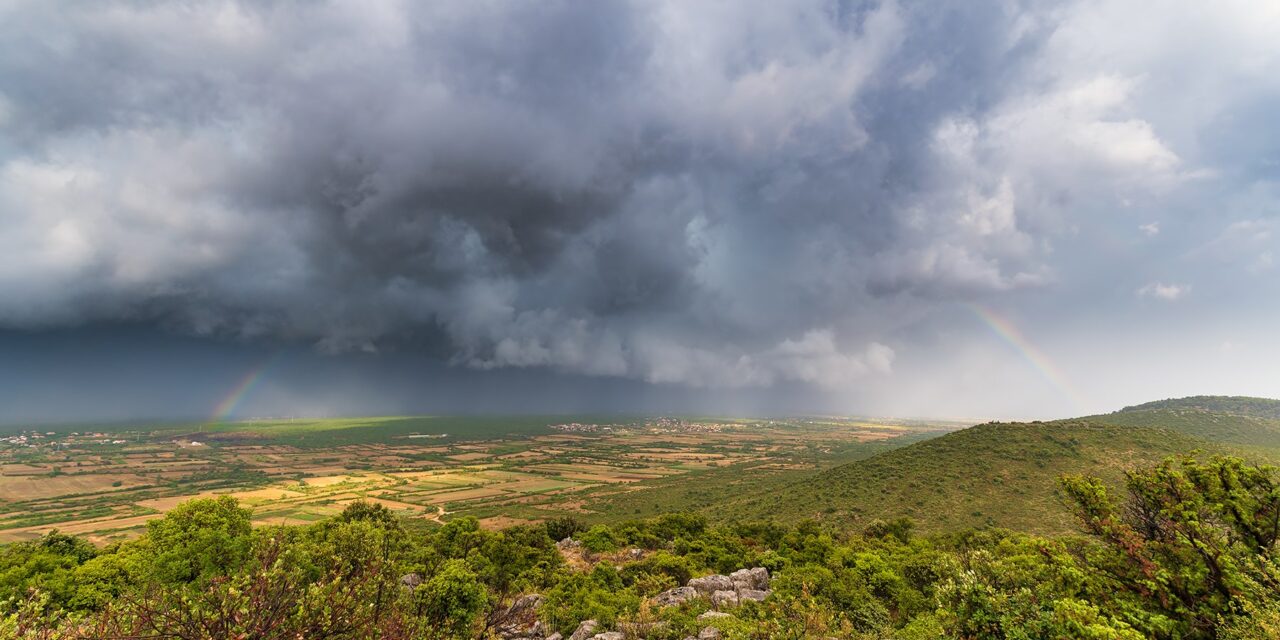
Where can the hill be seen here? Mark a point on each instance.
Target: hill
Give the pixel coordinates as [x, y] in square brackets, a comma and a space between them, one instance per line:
[996, 474]
[1006, 474]
[1214, 426]
[1265, 408]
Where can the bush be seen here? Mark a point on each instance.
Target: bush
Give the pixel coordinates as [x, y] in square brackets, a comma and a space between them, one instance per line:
[200, 539]
[600, 539]
[563, 527]
[599, 595]
[452, 599]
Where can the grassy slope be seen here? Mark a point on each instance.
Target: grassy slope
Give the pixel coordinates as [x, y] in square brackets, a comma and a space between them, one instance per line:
[701, 490]
[998, 474]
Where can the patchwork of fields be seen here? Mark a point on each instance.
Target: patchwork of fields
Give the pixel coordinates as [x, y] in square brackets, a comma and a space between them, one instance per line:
[106, 483]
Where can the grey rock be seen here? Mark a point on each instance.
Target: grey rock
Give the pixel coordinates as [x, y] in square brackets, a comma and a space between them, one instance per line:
[757, 595]
[585, 630]
[609, 635]
[520, 620]
[712, 615]
[708, 585]
[555, 636]
[724, 599]
[675, 597]
[410, 581]
[710, 633]
[753, 578]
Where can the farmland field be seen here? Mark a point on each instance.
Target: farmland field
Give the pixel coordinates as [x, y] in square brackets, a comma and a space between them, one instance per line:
[106, 481]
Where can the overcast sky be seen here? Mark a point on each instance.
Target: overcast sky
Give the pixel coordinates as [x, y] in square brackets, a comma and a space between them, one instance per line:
[973, 209]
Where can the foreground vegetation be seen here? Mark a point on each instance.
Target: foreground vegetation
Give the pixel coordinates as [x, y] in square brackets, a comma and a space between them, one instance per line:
[1190, 553]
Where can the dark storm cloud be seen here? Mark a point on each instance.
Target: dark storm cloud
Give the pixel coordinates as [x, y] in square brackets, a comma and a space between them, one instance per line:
[697, 193]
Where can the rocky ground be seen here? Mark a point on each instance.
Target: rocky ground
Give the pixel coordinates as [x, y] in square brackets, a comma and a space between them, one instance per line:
[520, 621]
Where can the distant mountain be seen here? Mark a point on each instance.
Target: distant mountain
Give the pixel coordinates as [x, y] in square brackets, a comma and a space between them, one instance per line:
[1006, 474]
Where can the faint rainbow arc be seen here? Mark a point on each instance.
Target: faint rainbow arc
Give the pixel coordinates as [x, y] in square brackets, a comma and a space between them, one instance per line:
[232, 400]
[1009, 332]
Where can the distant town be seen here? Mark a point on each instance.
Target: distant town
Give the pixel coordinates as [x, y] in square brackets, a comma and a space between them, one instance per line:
[658, 425]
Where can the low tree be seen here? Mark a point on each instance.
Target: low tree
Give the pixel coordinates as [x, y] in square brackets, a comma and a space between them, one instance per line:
[1191, 542]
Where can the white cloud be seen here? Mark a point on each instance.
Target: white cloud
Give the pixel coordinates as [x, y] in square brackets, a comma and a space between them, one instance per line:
[1151, 229]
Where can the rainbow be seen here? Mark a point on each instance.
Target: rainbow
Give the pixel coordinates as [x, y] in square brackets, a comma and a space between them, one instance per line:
[231, 401]
[1037, 359]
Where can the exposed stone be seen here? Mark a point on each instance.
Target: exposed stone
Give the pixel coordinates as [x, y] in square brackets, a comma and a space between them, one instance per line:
[753, 578]
[585, 630]
[555, 636]
[520, 620]
[724, 599]
[568, 543]
[410, 581]
[634, 554]
[609, 635]
[708, 585]
[757, 595]
[675, 597]
[712, 615]
[710, 633]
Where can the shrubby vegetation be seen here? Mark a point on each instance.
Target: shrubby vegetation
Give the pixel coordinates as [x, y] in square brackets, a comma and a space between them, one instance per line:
[990, 475]
[1189, 552]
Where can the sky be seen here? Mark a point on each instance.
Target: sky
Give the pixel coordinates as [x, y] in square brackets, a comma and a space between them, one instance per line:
[952, 209]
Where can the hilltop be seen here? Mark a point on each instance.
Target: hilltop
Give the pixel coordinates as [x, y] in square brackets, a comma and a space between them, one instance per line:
[1237, 420]
[1226, 428]
[1266, 408]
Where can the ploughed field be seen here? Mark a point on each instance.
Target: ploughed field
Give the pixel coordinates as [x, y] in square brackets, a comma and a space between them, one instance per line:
[106, 482]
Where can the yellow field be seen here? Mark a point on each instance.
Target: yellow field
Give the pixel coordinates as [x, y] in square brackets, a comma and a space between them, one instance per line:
[15, 488]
